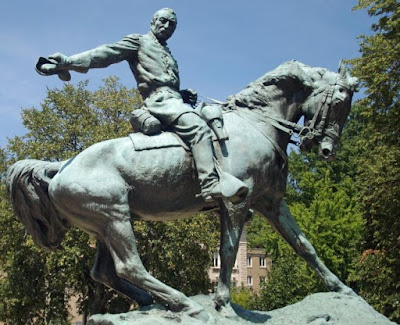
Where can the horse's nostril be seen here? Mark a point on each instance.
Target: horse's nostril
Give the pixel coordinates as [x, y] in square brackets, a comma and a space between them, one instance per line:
[326, 152]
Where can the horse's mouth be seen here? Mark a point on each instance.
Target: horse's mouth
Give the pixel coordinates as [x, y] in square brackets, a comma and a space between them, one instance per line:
[328, 155]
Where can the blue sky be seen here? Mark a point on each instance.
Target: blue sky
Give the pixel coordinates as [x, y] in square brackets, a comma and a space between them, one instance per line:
[220, 45]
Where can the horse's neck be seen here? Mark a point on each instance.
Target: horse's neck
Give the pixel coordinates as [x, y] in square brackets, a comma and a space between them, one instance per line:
[271, 112]
[283, 101]
[280, 108]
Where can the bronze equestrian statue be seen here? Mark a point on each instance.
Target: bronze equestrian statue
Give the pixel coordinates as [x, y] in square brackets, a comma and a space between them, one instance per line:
[113, 182]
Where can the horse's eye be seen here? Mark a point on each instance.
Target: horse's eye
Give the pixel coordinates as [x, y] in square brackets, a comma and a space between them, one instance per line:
[341, 90]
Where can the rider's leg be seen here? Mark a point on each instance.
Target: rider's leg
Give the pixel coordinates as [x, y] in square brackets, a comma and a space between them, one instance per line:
[195, 132]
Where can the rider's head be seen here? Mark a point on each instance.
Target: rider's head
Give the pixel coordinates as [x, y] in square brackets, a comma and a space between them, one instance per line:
[163, 24]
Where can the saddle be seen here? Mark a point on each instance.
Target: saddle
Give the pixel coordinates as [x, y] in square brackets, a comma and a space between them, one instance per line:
[228, 185]
[161, 140]
[144, 122]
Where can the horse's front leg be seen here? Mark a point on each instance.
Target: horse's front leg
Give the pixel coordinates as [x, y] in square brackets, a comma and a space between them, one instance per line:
[233, 218]
[285, 224]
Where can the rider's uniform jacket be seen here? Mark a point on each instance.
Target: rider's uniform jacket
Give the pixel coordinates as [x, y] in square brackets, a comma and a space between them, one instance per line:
[152, 64]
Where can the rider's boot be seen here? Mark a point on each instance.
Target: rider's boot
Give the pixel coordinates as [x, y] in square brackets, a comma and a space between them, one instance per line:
[214, 186]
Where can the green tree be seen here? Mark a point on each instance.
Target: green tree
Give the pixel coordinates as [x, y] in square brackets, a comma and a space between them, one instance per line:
[289, 281]
[179, 252]
[242, 296]
[378, 68]
[36, 285]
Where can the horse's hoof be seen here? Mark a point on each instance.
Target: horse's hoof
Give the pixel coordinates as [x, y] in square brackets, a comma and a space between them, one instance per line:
[228, 312]
[221, 299]
[196, 311]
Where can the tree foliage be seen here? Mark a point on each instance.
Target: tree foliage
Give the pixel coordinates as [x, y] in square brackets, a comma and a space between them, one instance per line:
[36, 285]
[289, 281]
[183, 250]
[242, 296]
[365, 178]
[378, 169]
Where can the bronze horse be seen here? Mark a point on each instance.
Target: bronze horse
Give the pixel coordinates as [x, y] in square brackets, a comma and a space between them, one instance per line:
[107, 185]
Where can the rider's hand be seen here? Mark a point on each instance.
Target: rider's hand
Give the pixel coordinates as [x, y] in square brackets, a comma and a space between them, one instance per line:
[61, 60]
[56, 63]
[189, 96]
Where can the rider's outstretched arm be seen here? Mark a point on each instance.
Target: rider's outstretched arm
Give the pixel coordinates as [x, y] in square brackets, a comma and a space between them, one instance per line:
[99, 57]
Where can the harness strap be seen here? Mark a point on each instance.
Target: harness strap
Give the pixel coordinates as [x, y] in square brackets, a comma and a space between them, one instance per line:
[317, 113]
[292, 127]
[246, 116]
[288, 127]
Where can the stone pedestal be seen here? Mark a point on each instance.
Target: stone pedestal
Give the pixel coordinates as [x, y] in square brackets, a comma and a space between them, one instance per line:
[317, 309]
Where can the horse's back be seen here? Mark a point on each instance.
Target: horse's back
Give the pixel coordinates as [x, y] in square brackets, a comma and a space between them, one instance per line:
[113, 172]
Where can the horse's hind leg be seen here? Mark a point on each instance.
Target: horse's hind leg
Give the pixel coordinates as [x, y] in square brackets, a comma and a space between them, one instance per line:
[286, 226]
[233, 218]
[104, 271]
[120, 241]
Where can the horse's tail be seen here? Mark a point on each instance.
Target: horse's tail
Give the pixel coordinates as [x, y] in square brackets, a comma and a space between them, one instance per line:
[27, 185]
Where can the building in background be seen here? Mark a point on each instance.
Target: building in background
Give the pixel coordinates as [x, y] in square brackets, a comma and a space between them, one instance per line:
[251, 266]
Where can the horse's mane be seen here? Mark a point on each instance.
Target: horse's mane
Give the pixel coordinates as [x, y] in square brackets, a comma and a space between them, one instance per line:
[293, 74]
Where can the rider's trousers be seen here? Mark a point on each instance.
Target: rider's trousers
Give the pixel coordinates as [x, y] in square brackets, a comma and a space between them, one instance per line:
[194, 131]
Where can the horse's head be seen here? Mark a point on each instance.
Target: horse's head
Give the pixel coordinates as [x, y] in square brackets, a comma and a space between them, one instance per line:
[326, 111]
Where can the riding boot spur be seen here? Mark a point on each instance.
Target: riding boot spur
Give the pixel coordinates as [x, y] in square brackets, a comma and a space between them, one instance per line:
[215, 185]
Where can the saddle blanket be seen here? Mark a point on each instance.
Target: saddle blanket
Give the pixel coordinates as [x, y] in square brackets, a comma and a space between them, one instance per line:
[163, 140]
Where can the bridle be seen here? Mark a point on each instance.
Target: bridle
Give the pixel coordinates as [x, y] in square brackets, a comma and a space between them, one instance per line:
[317, 125]
[312, 130]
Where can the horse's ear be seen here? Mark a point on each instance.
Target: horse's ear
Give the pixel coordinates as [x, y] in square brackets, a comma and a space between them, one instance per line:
[344, 73]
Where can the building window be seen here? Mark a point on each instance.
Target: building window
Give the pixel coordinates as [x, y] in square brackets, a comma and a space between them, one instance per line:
[249, 261]
[215, 261]
[234, 284]
[250, 281]
[262, 261]
[262, 279]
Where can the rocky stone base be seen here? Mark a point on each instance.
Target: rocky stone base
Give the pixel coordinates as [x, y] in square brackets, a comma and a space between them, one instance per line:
[316, 309]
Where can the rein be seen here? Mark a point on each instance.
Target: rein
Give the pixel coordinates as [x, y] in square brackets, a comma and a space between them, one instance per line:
[313, 129]
[300, 131]
[246, 115]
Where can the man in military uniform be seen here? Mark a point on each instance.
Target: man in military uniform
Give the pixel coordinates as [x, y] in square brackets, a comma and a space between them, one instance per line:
[157, 76]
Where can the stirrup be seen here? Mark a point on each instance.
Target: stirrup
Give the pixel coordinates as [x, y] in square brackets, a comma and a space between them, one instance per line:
[231, 187]
[228, 187]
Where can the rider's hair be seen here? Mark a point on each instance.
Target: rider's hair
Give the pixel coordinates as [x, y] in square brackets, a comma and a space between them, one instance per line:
[158, 12]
